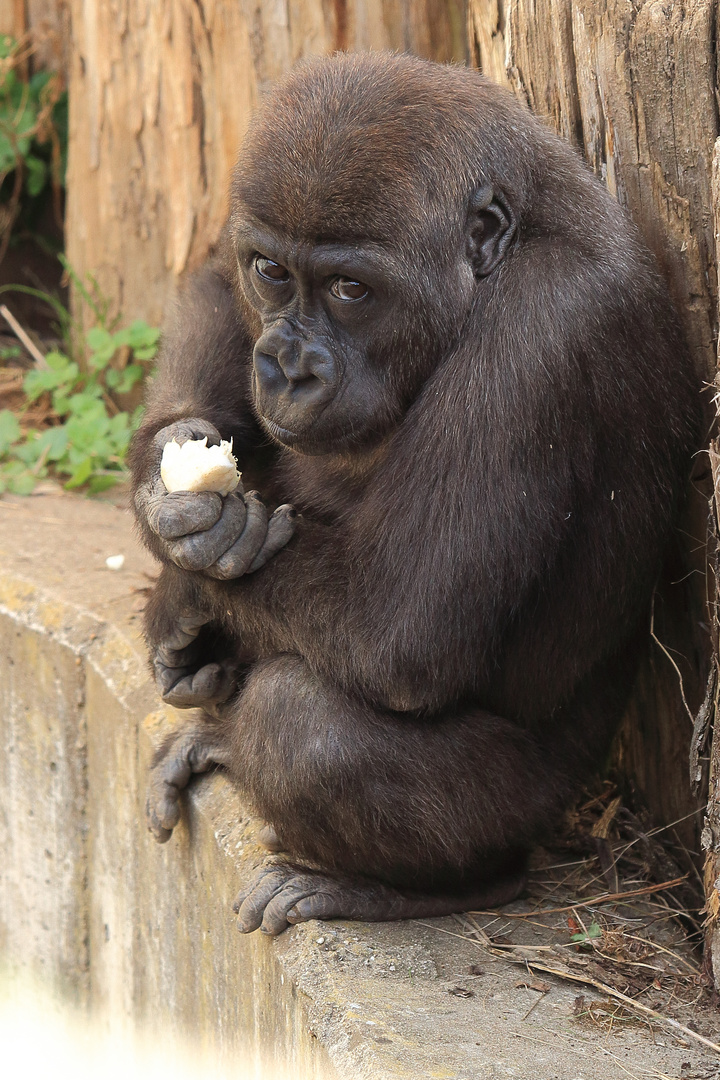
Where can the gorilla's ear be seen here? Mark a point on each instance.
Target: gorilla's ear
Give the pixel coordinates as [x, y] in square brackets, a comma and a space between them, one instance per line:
[491, 228]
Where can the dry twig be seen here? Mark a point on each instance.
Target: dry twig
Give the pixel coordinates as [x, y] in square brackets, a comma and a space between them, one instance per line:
[629, 1002]
[603, 898]
[23, 336]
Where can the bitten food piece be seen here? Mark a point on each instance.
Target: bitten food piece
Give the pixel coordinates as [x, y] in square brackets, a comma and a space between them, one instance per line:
[195, 466]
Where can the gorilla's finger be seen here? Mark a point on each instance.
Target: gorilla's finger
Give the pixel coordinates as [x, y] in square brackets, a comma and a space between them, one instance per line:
[211, 684]
[235, 562]
[175, 659]
[167, 675]
[192, 428]
[201, 550]
[316, 905]
[194, 750]
[161, 834]
[151, 496]
[185, 631]
[251, 901]
[162, 808]
[181, 512]
[281, 527]
[274, 919]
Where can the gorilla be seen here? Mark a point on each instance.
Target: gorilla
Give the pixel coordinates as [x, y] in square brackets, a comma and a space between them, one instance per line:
[451, 370]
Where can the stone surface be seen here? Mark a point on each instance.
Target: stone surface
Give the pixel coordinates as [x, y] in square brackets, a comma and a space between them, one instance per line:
[143, 936]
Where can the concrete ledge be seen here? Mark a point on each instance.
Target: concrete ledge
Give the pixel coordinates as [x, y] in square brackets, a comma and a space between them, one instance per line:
[143, 936]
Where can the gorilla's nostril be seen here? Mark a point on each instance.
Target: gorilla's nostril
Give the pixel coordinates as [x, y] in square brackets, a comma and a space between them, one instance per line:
[269, 371]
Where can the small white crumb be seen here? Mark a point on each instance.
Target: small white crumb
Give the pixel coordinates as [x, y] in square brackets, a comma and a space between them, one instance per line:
[115, 562]
[195, 466]
[320, 940]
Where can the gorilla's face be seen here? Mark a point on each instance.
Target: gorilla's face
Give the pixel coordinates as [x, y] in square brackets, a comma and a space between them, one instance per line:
[349, 333]
[322, 377]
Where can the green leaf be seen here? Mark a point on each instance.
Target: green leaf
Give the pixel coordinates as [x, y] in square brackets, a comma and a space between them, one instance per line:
[28, 451]
[61, 372]
[81, 474]
[59, 362]
[103, 482]
[36, 175]
[22, 484]
[132, 374]
[38, 82]
[120, 424]
[7, 47]
[55, 441]
[88, 406]
[102, 345]
[16, 477]
[8, 157]
[9, 430]
[593, 931]
[139, 335]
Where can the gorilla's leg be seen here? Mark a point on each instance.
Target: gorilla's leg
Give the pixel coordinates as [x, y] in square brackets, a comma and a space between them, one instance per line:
[398, 815]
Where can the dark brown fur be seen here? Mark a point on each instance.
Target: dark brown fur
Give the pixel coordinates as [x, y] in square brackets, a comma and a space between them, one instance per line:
[444, 648]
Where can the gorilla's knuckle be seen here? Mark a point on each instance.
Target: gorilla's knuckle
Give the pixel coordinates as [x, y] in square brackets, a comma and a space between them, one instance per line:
[192, 552]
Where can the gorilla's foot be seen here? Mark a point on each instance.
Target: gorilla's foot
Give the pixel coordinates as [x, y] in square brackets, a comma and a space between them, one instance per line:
[283, 894]
[194, 750]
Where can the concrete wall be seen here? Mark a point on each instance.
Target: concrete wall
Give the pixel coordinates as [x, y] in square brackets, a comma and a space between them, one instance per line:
[91, 908]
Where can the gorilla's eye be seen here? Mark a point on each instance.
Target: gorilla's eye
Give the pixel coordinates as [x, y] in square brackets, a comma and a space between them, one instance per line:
[270, 270]
[348, 289]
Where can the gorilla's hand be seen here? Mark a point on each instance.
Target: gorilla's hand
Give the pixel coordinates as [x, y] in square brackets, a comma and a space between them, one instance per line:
[200, 530]
[188, 675]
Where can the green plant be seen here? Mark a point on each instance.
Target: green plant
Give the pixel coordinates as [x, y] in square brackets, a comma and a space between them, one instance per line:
[89, 434]
[584, 938]
[33, 136]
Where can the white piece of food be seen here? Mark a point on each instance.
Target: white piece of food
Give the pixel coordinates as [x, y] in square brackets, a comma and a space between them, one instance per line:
[195, 466]
[115, 562]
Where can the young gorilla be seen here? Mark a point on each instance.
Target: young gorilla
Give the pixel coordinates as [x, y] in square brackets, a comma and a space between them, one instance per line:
[431, 331]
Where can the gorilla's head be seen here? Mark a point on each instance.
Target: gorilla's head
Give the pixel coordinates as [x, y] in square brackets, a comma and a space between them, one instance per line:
[366, 219]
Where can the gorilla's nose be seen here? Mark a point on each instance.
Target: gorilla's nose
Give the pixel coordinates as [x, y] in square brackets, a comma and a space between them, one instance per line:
[302, 372]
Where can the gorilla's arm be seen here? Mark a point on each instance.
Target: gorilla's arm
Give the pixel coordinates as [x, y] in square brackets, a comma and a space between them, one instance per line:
[203, 375]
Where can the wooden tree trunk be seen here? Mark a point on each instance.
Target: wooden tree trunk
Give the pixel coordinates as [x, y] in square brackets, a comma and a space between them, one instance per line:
[160, 95]
[47, 22]
[707, 738]
[633, 84]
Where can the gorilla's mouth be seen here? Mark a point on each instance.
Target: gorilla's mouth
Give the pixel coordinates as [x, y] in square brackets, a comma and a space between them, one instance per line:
[283, 435]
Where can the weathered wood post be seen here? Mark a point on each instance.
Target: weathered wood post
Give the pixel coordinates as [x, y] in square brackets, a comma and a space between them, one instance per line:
[160, 96]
